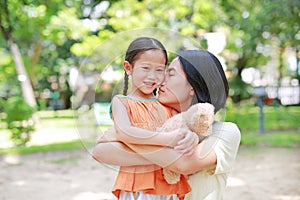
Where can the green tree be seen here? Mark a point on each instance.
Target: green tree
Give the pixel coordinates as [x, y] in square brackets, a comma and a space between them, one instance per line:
[7, 28]
[188, 18]
[38, 52]
[284, 29]
[245, 35]
[257, 30]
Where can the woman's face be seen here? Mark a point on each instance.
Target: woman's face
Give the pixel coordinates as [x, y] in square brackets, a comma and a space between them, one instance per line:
[176, 92]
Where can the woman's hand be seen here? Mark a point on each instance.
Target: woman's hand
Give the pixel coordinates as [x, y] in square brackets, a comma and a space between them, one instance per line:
[188, 143]
[109, 135]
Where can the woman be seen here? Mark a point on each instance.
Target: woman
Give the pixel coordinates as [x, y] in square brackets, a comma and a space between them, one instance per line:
[193, 76]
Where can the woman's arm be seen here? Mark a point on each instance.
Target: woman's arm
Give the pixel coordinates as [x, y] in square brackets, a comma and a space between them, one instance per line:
[176, 161]
[219, 150]
[164, 157]
[192, 164]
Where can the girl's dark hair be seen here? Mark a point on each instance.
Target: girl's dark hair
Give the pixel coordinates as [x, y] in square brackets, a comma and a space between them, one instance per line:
[136, 48]
[206, 75]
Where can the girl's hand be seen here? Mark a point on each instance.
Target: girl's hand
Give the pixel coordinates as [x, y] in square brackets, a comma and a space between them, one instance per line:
[174, 137]
[109, 135]
[187, 145]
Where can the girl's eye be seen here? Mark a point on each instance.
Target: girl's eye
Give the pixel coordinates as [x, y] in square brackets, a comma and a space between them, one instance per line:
[160, 70]
[146, 68]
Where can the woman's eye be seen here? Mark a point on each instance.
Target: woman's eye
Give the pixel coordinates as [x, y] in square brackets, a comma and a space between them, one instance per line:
[171, 74]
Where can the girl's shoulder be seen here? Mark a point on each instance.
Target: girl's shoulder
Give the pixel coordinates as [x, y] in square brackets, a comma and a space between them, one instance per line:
[120, 96]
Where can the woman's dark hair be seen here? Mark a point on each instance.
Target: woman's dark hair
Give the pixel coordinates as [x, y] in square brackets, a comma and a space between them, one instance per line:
[136, 48]
[206, 75]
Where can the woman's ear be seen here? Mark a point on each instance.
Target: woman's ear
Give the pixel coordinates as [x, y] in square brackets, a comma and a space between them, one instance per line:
[127, 67]
[192, 92]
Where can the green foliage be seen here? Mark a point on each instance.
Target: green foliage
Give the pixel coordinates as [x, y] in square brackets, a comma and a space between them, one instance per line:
[9, 84]
[2, 104]
[18, 119]
[55, 35]
[65, 26]
[87, 46]
[239, 90]
[259, 31]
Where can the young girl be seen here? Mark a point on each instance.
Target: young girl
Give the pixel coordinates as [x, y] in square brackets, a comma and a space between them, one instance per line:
[145, 62]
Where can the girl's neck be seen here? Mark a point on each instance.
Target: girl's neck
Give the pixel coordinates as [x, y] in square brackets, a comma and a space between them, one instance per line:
[141, 96]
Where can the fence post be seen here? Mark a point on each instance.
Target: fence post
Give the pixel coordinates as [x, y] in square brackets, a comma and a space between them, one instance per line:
[260, 93]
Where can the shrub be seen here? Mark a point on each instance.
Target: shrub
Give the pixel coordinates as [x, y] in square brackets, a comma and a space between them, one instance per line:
[19, 120]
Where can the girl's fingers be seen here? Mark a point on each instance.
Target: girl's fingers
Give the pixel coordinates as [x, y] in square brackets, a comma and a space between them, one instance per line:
[183, 146]
[187, 145]
[188, 139]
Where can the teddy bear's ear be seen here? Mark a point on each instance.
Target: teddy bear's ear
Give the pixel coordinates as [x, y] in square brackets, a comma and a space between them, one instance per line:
[201, 117]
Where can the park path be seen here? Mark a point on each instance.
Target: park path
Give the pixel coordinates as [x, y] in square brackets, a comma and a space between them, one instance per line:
[259, 173]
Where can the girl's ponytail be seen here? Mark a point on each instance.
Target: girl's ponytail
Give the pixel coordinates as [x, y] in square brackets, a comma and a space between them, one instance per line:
[125, 84]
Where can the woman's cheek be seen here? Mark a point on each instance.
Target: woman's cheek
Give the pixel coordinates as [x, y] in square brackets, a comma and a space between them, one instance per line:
[163, 97]
[167, 97]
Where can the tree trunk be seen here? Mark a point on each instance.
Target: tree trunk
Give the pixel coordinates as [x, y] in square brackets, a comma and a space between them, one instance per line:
[240, 65]
[297, 70]
[26, 86]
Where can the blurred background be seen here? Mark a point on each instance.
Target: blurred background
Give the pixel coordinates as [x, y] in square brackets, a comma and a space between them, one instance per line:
[60, 64]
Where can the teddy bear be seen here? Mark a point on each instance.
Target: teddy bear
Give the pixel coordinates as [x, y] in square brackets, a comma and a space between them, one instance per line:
[198, 118]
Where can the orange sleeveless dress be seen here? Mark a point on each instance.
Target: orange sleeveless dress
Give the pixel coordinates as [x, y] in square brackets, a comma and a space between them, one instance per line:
[147, 114]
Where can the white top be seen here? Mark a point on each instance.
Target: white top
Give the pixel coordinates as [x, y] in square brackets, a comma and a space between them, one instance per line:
[210, 184]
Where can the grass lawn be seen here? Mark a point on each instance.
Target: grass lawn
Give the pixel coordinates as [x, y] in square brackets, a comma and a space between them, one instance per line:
[275, 118]
[282, 139]
[62, 146]
[276, 139]
[281, 128]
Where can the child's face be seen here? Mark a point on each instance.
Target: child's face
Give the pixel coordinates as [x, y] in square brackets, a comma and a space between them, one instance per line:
[147, 73]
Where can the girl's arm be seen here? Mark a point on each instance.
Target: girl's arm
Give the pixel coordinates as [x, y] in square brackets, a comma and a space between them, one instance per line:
[116, 153]
[175, 160]
[134, 135]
